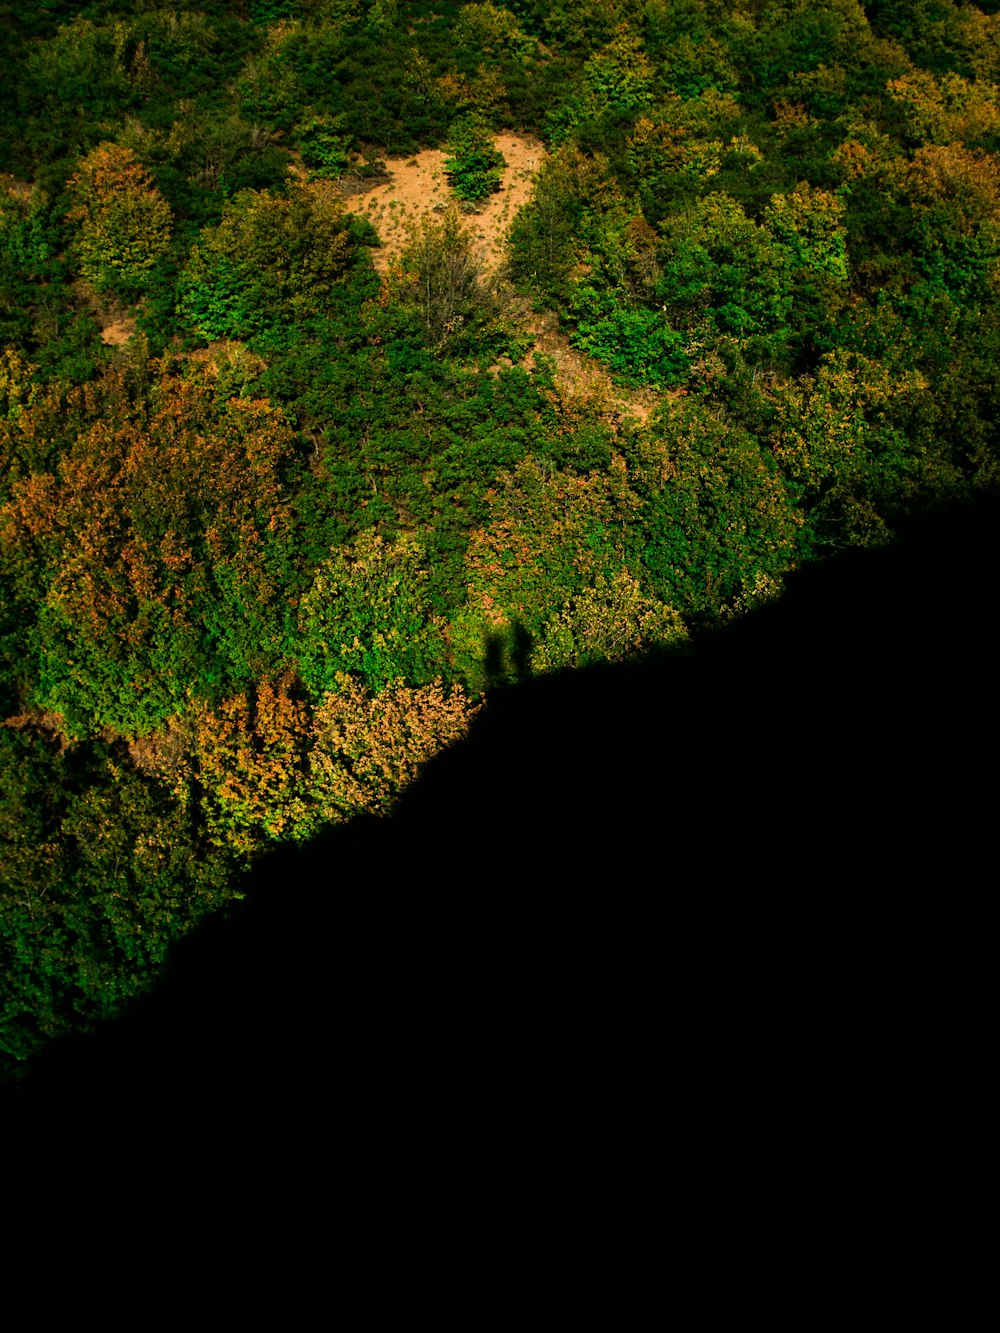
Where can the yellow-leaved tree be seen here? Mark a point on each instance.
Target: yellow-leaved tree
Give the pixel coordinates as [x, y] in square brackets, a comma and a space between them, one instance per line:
[266, 766]
[123, 223]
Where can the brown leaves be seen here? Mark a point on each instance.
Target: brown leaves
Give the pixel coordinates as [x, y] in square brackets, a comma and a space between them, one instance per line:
[370, 746]
[946, 109]
[606, 623]
[965, 182]
[551, 535]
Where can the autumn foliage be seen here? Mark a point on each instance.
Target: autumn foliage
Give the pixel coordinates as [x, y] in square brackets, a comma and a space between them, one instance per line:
[123, 222]
[267, 765]
[157, 549]
[283, 502]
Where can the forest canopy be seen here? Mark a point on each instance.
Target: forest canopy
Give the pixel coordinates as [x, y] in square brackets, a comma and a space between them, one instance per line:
[283, 499]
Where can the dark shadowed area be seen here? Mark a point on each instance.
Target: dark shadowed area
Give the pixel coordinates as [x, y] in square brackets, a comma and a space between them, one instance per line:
[755, 876]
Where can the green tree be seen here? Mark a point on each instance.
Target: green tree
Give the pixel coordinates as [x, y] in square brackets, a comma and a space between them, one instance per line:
[636, 344]
[325, 149]
[441, 279]
[721, 266]
[607, 622]
[848, 441]
[492, 30]
[669, 162]
[617, 80]
[158, 551]
[103, 871]
[717, 527]
[271, 261]
[551, 534]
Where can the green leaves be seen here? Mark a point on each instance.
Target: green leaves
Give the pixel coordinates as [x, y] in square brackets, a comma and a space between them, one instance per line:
[608, 622]
[718, 261]
[637, 345]
[271, 260]
[367, 613]
[716, 521]
[617, 80]
[159, 552]
[810, 223]
[325, 150]
[474, 164]
[847, 443]
[103, 871]
[245, 570]
[441, 277]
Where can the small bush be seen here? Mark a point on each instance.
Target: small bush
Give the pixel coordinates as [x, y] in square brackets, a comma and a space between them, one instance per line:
[637, 345]
[474, 164]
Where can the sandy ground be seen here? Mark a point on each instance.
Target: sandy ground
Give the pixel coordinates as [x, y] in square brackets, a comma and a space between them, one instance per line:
[581, 376]
[418, 186]
[118, 332]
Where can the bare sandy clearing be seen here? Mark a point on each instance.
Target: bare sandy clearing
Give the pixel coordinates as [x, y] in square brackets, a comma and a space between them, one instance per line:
[118, 332]
[418, 186]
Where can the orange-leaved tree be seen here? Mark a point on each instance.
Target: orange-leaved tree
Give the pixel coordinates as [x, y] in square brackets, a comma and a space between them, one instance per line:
[157, 546]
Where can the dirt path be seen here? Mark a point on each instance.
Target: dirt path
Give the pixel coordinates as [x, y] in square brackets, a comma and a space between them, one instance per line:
[582, 376]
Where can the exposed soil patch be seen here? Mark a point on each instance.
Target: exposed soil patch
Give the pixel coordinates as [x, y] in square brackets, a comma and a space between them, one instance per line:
[418, 186]
[116, 324]
[117, 332]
